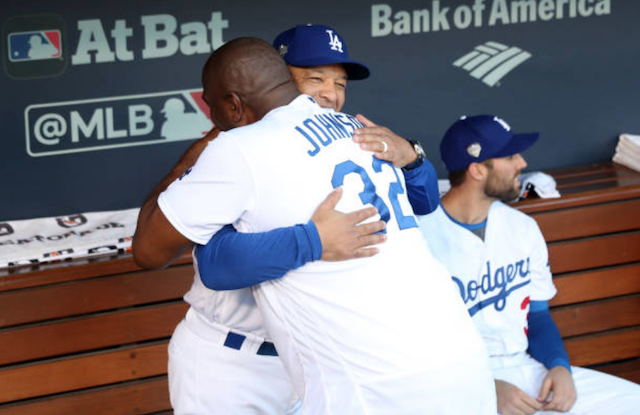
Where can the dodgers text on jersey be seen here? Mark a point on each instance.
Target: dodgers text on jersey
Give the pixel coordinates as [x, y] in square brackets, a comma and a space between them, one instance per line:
[502, 282]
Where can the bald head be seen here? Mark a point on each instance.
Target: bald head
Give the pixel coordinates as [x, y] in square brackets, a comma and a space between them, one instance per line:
[243, 80]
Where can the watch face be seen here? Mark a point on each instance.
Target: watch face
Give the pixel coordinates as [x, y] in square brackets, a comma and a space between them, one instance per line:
[419, 150]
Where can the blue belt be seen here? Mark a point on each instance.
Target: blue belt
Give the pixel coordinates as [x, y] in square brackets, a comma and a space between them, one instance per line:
[235, 340]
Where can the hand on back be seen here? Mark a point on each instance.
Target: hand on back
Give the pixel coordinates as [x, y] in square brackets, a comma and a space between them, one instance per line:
[343, 235]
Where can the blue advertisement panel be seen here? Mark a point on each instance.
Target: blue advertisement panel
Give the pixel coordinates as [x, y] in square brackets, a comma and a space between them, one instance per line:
[100, 101]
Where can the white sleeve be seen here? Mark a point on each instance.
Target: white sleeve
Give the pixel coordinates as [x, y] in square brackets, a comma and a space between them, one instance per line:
[213, 193]
[542, 287]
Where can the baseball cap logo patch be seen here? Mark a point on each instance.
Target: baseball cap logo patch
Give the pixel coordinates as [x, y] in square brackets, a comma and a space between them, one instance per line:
[334, 41]
[283, 49]
[474, 150]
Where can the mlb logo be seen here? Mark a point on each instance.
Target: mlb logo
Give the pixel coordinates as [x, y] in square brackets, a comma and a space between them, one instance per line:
[186, 117]
[33, 46]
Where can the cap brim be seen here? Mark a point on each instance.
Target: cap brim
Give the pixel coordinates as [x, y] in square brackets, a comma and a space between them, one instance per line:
[355, 70]
[518, 144]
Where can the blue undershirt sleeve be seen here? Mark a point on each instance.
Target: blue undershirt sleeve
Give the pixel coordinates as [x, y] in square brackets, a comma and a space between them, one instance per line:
[545, 342]
[232, 260]
[422, 188]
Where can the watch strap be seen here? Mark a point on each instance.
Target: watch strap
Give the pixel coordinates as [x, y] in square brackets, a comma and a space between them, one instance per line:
[421, 156]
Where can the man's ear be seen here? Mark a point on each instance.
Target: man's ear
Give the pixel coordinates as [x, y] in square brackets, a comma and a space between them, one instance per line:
[240, 114]
[477, 171]
[235, 108]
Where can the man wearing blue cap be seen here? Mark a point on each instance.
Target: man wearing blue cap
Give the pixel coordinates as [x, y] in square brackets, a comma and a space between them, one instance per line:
[319, 63]
[382, 335]
[498, 259]
[207, 378]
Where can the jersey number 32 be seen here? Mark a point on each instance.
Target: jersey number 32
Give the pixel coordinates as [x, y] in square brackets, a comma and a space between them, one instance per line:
[369, 195]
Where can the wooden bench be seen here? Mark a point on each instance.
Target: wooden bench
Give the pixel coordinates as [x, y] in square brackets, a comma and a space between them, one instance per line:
[593, 235]
[91, 337]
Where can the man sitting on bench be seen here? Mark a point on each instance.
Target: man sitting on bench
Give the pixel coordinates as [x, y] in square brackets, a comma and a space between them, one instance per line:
[498, 259]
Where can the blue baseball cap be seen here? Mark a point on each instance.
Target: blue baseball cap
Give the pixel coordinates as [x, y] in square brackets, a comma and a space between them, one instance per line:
[317, 45]
[480, 137]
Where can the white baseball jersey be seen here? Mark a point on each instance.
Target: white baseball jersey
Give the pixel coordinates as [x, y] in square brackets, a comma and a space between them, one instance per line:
[236, 309]
[497, 277]
[381, 335]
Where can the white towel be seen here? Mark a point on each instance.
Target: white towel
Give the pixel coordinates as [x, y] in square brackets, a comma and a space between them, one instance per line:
[543, 184]
[628, 151]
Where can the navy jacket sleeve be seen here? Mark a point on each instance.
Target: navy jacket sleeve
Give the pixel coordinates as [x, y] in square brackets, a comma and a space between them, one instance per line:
[232, 260]
[545, 343]
[422, 188]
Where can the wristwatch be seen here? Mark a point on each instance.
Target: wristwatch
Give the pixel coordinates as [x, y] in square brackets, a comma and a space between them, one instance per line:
[421, 156]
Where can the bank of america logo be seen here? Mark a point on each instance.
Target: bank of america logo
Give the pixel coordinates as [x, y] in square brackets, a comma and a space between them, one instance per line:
[491, 61]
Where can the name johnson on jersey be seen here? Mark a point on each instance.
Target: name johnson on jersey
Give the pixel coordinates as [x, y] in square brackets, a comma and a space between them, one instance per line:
[333, 126]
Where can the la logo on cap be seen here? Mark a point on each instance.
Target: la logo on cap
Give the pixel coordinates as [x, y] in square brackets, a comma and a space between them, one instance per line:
[474, 150]
[334, 41]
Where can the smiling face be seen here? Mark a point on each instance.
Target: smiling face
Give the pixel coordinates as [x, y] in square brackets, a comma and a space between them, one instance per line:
[502, 181]
[326, 84]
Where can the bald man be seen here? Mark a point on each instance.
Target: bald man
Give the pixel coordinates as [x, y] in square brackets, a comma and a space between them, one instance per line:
[344, 352]
[235, 377]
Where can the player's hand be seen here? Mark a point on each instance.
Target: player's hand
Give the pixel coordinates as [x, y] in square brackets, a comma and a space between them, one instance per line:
[341, 235]
[371, 138]
[560, 382]
[513, 401]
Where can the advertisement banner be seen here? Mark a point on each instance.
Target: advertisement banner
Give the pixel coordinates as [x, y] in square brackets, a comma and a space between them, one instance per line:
[100, 101]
